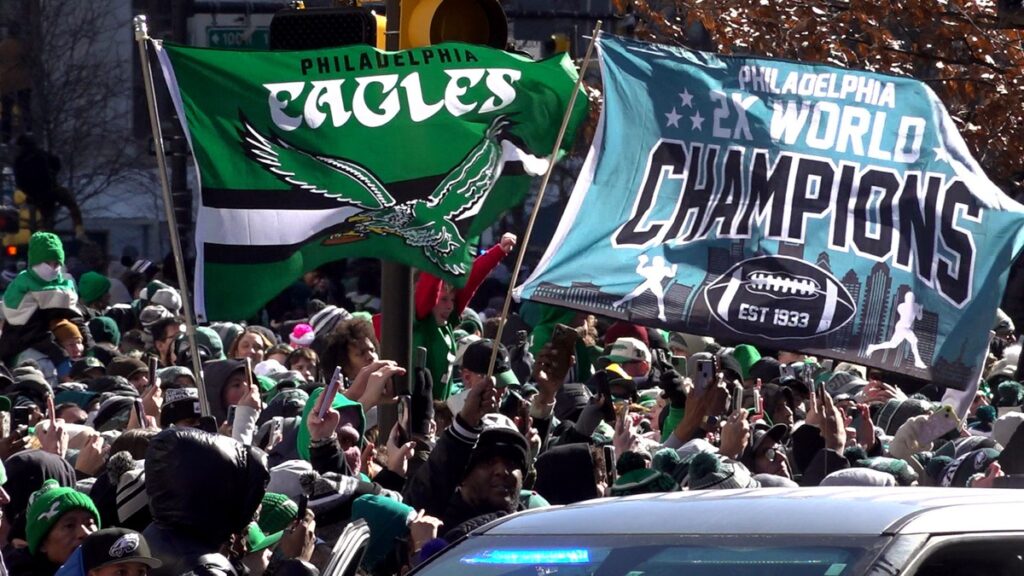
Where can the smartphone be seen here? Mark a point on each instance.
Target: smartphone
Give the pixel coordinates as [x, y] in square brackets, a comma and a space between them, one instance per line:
[420, 359]
[521, 337]
[153, 364]
[563, 342]
[758, 400]
[609, 463]
[303, 504]
[330, 393]
[737, 397]
[20, 416]
[679, 364]
[705, 374]
[276, 433]
[231, 414]
[402, 405]
[140, 412]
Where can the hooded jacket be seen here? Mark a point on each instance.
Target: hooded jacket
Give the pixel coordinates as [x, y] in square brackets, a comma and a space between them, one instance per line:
[565, 474]
[26, 472]
[215, 378]
[202, 489]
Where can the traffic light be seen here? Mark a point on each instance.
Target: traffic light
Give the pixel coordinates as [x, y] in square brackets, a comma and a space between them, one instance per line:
[557, 44]
[427, 22]
[313, 28]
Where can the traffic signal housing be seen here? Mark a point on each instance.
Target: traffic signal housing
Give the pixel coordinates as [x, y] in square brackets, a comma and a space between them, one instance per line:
[427, 22]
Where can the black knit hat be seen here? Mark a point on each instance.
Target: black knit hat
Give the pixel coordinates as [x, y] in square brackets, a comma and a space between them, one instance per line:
[500, 441]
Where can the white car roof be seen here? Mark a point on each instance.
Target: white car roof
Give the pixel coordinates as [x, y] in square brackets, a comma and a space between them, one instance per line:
[828, 511]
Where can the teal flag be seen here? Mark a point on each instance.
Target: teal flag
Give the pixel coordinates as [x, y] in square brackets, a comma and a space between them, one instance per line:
[791, 206]
[308, 157]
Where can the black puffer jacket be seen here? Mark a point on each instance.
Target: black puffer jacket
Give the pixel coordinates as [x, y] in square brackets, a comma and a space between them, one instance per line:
[202, 489]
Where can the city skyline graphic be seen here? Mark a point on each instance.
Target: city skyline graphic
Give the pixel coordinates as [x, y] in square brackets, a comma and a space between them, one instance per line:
[876, 315]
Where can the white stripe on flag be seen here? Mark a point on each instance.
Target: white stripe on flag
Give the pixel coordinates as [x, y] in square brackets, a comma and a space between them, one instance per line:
[248, 227]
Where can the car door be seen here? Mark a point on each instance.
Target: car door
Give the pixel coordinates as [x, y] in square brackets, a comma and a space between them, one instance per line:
[348, 551]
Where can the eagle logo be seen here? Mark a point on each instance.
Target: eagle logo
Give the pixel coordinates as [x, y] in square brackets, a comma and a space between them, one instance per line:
[124, 545]
[51, 513]
[425, 224]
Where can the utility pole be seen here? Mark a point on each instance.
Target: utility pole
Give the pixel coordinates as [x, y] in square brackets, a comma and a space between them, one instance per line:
[180, 192]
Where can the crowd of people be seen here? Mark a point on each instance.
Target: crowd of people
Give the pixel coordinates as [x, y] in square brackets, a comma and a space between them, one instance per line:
[111, 464]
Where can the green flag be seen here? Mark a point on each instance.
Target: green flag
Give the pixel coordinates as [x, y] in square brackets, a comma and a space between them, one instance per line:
[309, 157]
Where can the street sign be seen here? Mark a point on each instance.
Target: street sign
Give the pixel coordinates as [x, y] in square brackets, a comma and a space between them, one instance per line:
[257, 38]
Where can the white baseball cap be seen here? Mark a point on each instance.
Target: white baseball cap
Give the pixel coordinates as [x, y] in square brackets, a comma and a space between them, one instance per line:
[628, 350]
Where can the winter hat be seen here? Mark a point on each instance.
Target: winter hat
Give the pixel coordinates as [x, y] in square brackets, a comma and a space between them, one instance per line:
[324, 321]
[113, 414]
[227, 332]
[387, 519]
[959, 471]
[899, 469]
[179, 404]
[276, 512]
[746, 355]
[694, 447]
[92, 286]
[126, 367]
[302, 336]
[45, 247]
[65, 330]
[666, 460]
[129, 476]
[961, 446]
[470, 322]
[104, 329]
[500, 441]
[167, 297]
[934, 468]
[211, 340]
[643, 481]
[858, 477]
[47, 505]
[986, 416]
[625, 330]
[152, 314]
[168, 375]
[565, 474]
[1005, 426]
[895, 412]
[1010, 393]
[285, 478]
[330, 495]
[709, 471]
[113, 384]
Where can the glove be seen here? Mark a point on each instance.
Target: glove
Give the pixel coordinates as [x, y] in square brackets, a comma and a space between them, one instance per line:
[674, 388]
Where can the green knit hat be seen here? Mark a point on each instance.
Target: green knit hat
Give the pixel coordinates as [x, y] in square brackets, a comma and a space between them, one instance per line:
[92, 286]
[276, 512]
[388, 519]
[47, 505]
[44, 247]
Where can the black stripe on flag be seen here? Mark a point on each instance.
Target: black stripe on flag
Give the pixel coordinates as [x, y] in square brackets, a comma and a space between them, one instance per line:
[298, 199]
[214, 253]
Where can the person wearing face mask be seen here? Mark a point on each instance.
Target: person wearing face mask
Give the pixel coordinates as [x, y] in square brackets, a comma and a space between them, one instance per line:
[37, 296]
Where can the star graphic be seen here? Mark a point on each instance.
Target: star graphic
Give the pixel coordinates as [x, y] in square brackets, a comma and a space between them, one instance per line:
[697, 120]
[672, 118]
[687, 98]
[942, 155]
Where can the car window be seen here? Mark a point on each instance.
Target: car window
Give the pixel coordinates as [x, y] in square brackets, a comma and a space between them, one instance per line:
[646, 555]
[992, 556]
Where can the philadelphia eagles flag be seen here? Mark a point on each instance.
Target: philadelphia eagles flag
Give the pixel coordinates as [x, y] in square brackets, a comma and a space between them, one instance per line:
[786, 205]
[308, 157]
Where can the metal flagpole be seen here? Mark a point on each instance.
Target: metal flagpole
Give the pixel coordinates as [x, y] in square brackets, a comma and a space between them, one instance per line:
[142, 37]
[503, 319]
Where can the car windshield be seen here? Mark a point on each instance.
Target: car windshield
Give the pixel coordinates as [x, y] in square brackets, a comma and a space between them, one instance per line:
[657, 555]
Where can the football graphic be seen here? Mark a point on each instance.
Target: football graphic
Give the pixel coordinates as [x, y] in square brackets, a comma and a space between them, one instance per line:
[780, 297]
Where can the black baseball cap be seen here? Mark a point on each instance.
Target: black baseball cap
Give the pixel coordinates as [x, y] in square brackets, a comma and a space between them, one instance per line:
[477, 358]
[115, 546]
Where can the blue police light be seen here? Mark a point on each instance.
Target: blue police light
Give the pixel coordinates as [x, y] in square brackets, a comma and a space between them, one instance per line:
[515, 557]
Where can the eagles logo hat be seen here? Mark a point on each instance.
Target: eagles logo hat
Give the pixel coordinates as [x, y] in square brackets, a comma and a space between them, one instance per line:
[115, 546]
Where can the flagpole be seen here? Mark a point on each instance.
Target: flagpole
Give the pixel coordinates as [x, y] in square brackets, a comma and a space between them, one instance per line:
[503, 319]
[142, 37]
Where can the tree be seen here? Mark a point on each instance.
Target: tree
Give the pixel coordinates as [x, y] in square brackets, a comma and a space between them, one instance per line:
[80, 54]
[965, 50]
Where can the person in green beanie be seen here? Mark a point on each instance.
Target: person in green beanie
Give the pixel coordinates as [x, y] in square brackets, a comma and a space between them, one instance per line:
[57, 521]
[94, 291]
[43, 286]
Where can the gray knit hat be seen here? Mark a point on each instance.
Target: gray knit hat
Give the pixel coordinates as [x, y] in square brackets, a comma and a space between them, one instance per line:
[710, 472]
